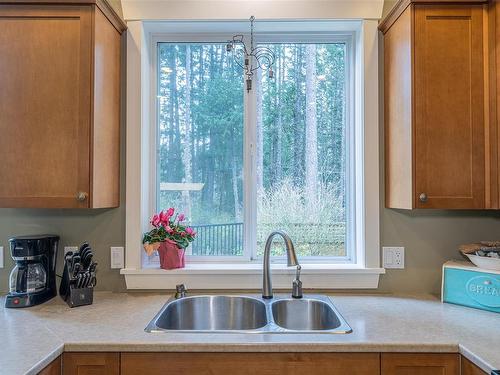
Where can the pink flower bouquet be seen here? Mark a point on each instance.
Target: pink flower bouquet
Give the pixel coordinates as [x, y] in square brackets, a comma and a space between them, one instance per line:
[170, 237]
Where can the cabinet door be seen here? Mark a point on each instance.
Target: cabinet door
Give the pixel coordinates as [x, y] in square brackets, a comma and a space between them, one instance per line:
[91, 364]
[469, 368]
[250, 363]
[420, 364]
[449, 100]
[45, 80]
[54, 368]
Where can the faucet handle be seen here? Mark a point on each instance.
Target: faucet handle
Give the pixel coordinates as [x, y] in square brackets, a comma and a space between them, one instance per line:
[180, 291]
[297, 284]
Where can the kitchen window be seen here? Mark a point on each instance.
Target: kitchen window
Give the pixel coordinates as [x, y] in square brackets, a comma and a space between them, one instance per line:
[293, 130]
[290, 154]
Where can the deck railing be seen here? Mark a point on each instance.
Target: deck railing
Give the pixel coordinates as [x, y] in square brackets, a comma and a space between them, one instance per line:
[218, 239]
[227, 239]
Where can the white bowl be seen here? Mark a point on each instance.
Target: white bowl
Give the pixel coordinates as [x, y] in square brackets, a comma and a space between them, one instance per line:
[485, 262]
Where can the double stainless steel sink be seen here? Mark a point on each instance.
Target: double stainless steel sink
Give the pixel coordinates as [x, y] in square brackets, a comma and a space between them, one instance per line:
[247, 314]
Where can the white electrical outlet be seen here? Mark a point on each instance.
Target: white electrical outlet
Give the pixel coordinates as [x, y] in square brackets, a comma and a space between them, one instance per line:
[117, 257]
[73, 249]
[394, 257]
[1, 256]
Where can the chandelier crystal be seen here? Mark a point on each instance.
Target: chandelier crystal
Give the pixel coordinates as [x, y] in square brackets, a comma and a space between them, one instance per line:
[251, 59]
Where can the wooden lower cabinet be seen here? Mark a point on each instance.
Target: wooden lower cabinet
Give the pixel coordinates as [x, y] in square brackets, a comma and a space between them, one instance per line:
[420, 364]
[469, 368]
[54, 368]
[250, 363]
[91, 364]
[262, 364]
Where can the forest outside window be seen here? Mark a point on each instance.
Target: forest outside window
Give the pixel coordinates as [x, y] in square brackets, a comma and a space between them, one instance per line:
[242, 165]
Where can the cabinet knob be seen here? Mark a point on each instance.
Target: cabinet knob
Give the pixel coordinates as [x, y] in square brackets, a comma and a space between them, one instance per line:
[81, 196]
[422, 197]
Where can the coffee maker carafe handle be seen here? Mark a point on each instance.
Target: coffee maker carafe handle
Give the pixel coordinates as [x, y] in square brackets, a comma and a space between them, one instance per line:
[21, 282]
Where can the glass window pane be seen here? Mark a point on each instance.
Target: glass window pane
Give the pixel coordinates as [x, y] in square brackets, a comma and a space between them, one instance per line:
[200, 143]
[301, 149]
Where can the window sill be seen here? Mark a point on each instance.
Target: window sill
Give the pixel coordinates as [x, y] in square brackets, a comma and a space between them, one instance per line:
[249, 276]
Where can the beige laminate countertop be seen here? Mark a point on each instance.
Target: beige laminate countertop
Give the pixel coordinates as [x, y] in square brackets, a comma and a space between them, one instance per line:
[32, 338]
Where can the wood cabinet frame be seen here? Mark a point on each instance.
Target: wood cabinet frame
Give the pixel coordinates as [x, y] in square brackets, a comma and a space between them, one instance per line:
[241, 363]
[407, 168]
[60, 120]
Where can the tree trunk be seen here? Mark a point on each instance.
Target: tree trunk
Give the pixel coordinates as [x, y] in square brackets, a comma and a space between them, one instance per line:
[298, 142]
[279, 124]
[166, 172]
[174, 165]
[260, 133]
[209, 188]
[311, 157]
[277, 134]
[186, 149]
[234, 176]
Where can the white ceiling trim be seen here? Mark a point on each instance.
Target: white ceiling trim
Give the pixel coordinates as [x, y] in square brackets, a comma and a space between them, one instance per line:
[243, 9]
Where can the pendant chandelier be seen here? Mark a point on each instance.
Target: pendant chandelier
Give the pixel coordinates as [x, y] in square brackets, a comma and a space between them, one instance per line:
[251, 59]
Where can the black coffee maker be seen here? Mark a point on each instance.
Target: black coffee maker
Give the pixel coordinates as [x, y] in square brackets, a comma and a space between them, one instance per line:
[33, 279]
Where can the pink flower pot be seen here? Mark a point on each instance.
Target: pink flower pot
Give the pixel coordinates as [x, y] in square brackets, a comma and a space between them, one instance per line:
[171, 256]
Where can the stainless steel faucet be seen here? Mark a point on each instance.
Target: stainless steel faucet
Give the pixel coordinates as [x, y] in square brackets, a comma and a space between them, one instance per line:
[297, 284]
[267, 288]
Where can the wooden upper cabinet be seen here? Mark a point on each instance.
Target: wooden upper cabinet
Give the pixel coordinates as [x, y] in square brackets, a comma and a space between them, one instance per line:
[436, 105]
[59, 105]
[449, 107]
[420, 364]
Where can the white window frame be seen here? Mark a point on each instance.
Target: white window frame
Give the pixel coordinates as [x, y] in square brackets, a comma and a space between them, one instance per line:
[141, 161]
[249, 125]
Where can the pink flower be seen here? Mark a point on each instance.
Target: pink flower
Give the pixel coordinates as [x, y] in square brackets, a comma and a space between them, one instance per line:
[164, 218]
[170, 212]
[168, 229]
[155, 220]
[190, 231]
[182, 217]
[183, 234]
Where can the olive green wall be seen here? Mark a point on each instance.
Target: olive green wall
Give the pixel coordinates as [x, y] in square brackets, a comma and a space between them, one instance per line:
[101, 228]
[430, 237]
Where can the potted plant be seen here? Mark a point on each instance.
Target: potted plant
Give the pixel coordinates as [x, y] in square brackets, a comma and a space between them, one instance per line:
[170, 237]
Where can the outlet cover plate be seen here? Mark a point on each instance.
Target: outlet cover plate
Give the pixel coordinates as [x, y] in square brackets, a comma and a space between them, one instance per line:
[393, 257]
[118, 257]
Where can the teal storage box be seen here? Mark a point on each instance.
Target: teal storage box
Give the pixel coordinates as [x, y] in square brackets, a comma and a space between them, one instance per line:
[467, 285]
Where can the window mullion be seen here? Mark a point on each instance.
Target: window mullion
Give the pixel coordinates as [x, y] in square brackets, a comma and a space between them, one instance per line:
[250, 177]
